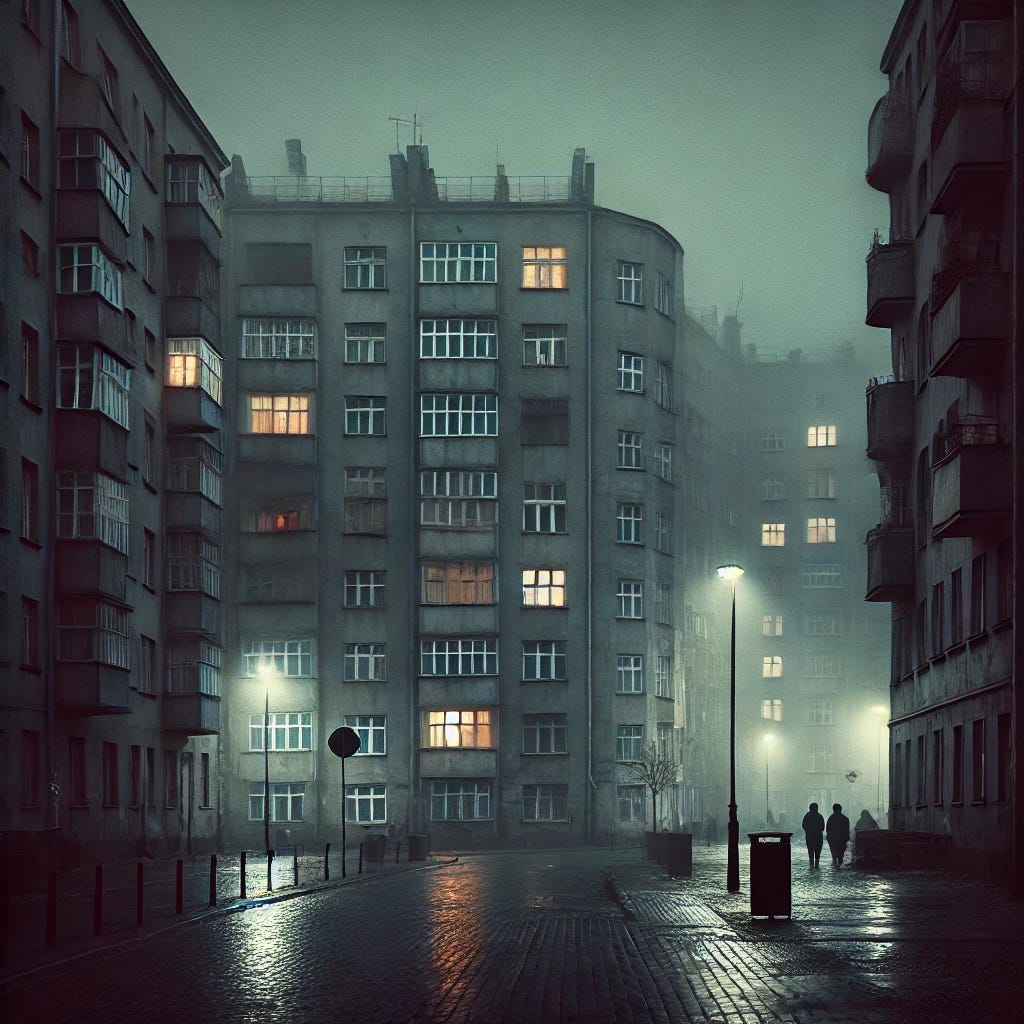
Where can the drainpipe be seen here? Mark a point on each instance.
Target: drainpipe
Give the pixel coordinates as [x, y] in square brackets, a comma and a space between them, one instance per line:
[587, 341]
[413, 815]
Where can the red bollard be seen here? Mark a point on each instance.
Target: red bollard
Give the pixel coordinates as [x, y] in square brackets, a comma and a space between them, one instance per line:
[241, 864]
[51, 911]
[97, 902]
[179, 887]
[213, 879]
[138, 894]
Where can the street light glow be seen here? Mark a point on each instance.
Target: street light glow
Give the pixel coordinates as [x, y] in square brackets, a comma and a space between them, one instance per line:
[730, 572]
[879, 709]
[768, 737]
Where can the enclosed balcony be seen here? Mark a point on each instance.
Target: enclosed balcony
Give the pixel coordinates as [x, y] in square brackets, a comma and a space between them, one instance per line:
[88, 441]
[86, 567]
[190, 611]
[970, 482]
[194, 714]
[971, 328]
[90, 688]
[191, 409]
[890, 561]
[193, 513]
[890, 142]
[86, 213]
[890, 405]
[890, 283]
[87, 317]
[972, 156]
[194, 202]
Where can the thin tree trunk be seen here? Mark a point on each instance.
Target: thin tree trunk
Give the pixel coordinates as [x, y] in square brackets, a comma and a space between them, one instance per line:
[654, 810]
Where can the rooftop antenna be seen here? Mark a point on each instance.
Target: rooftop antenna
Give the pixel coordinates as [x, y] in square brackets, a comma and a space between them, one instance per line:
[414, 124]
[738, 301]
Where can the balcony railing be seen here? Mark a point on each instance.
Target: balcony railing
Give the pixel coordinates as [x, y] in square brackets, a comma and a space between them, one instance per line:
[890, 142]
[890, 547]
[970, 481]
[963, 435]
[890, 282]
[984, 76]
[890, 408]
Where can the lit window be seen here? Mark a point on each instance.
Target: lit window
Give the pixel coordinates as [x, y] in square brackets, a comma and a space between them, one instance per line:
[629, 742]
[544, 734]
[771, 667]
[92, 506]
[458, 339]
[771, 710]
[365, 415]
[773, 535]
[366, 804]
[281, 515]
[460, 799]
[364, 663]
[372, 733]
[544, 508]
[821, 530]
[90, 378]
[630, 372]
[631, 450]
[88, 161]
[279, 414]
[663, 461]
[545, 345]
[459, 415]
[192, 363]
[630, 278]
[85, 268]
[458, 657]
[458, 262]
[632, 803]
[458, 498]
[364, 588]
[544, 267]
[630, 673]
[459, 728]
[90, 629]
[823, 436]
[545, 802]
[190, 181]
[279, 338]
[366, 343]
[663, 676]
[365, 267]
[544, 659]
[629, 519]
[630, 599]
[293, 658]
[457, 583]
[771, 625]
[285, 730]
[544, 588]
[286, 800]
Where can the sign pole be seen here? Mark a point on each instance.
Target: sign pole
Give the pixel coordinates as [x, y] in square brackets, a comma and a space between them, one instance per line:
[343, 742]
[344, 843]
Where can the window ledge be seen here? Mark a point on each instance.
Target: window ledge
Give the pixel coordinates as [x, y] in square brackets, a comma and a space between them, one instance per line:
[956, 648]
[545, 753]
[544, 366]
[1002, 625]
[31, 187]
[35, 670]
[541, 288]
[626, 302]
[30, 404]
[29, 543]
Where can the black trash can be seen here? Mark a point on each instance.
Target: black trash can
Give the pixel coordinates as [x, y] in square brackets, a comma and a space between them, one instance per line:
[374, 849]
[679, 850]
[417, 846]
[770, 874]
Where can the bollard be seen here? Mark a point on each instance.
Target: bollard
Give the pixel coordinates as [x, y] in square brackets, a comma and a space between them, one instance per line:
[97, 902]
[51, 911]
[270, 870]
[213, 879]
[398, 850]
[295, 868]
[138, 893]
[360, 858]
[241, 864]
[179, 887]
[327, 864]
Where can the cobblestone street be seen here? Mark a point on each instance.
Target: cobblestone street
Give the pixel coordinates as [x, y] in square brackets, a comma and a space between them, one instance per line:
[574, 935]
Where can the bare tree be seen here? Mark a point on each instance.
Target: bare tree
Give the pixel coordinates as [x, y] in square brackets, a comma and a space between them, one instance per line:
[656, 771]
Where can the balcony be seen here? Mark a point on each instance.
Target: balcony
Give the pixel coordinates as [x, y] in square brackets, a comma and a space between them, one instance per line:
[890, 562]
[190, 611]
[89, 441]
[84, 213]
[970, 482]
[81, 105]
[458, 763]
[195, 714]
[87, 317]
[188, 316]
[285, 448]
[890, 419]
[90, 567]
[972, 154]
[191, 409]
[443, 300]
[890, 143]
[91, 688]
[971, 327]
[890, 283]
[190, 512]
[278, 299]
[189, 222]
[461, 691]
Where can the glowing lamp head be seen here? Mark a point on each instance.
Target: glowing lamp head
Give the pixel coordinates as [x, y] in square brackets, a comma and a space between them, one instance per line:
[730, 572]
[878, 709]
[768, 737]
[265, 672]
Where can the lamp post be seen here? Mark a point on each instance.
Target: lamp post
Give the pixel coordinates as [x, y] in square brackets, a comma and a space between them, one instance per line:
[266, 673]
[732, 872]
[880, 711]
[768, 737]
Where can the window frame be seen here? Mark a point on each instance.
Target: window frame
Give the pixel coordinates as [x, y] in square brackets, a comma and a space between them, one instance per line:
[364, 268]
[545, 267]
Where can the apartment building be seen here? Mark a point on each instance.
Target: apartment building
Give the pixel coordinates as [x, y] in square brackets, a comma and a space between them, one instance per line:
[941, 427]
[111, 432]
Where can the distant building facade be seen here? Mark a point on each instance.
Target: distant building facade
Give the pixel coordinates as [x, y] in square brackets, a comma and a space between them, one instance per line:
[110, 426]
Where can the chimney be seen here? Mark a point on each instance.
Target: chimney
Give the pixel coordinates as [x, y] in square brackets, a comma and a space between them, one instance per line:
[296, 159]
[731, 334]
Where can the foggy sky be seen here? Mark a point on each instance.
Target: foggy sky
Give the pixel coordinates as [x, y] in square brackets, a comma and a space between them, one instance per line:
[739, 125]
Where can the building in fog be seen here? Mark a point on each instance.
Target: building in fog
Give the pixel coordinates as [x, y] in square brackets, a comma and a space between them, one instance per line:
[946, 283]
[110, 426]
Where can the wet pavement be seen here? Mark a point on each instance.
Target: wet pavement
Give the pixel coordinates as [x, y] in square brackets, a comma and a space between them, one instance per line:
[588, 935]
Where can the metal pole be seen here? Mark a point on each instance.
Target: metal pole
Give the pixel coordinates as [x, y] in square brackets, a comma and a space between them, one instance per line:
[878, 773]
[266, 783]
[766, 780]
[344, 838]
[732, 873]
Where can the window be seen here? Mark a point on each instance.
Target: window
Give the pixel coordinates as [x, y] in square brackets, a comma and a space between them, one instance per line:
[279, 414]
[663, 532]
[629, 742]
[194, 466]
[279, 338]
[458, 498]
[544, 267]
[29, 768]
[29, 364]
[459, 415]
[630, 278]
[663, 603]
[109, 85]
[458, 262]
[460, 799]
[149, 470]
[372, 733]
[629, 519]
[663, 390]
[147, 665]
[365, 415]
[89, 378]
[544, 508]
[282, 582]
[631, 372]
[85, 268]
[365, 663]
[544, 421]
[938, 766]
[771, 625]
[148, 256]
[772, 441]
[773, 535]
[190, 181]
[292, 658]
[458, 339]
[821, 758]
[366, 500]
[364, 588]
[822, 436]
[29, 501]
[824, 666]
[280, 515]
[30, 155]
[664, 295]
[76, 771]
[171, 779]
[366, 343]
[29, 255]
[193, 664]
[151, 356]
[938, 618]
[771, 710]
[134, 775]
[110, 775]
[544, 734]
[630, 673]
[547, 802]
[978, 760]
[544, 588]
[663, 686]
[821, 483]
[544, 659]
[632, 803]
[457, 583]
[148, 558]
[192, 363]
[771, 666]
[820, 711]
[630, 599]
[193, 564]
[204, 779]
[286, 800]
[366, 804]
[1003, 757]
[919, 791]
[459, 728]
[823, 623]
[958, 764]
[631, 450]
[29, 633]
[366, 267]
[956, 606]
[821, 530]
[88, 161]
[459, 657]
[822, 576]
[663, 461]
[92, 506]
[545, 345]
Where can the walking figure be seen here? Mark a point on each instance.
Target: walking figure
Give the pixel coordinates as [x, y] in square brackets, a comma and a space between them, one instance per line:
[813, 826]
[837, 832]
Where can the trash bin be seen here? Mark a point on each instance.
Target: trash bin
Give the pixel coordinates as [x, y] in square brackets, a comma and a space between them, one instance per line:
[770, 874]
[679, 854]
[417, 846]
[374, 849]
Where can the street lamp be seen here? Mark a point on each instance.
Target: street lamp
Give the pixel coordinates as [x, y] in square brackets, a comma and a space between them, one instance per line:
[768, 737]
[881, 712]
[732, 871]
[266, 673]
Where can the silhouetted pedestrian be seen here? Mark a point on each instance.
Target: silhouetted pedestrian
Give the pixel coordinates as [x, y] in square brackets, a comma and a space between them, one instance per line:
[837, 832]
[865, 822]
[813, 826]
